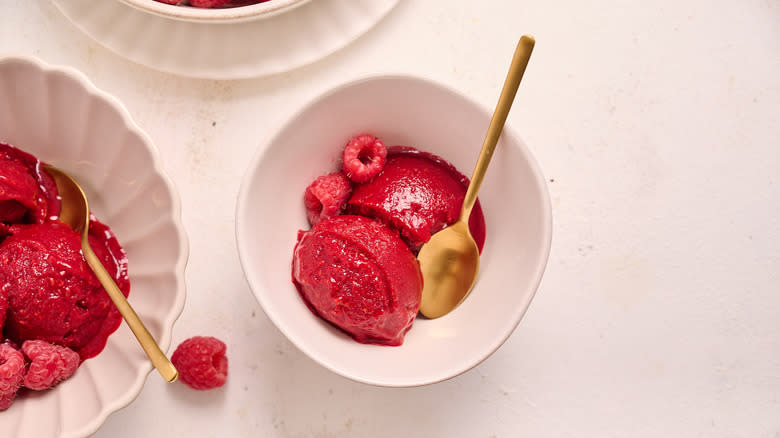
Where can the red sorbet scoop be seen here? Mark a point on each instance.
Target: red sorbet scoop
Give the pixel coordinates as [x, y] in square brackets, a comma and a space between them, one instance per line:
[417, 193]
[52, 294]
[27, 194]
[359, 275]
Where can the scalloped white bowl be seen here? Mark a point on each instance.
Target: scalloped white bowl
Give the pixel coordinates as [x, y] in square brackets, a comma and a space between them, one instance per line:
[57, 114]
[415, 112]
[216, 15]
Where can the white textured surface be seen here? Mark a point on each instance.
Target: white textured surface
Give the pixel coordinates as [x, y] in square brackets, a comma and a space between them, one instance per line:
[658, 313]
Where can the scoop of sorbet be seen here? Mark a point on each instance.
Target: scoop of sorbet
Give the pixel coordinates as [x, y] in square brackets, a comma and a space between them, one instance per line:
[27, 195]
[359, 275]
[52, 294]
[417, 193]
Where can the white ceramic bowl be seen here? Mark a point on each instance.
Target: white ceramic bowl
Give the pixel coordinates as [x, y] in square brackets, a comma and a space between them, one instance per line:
[56, 114]
[216, 15]
[407, 111]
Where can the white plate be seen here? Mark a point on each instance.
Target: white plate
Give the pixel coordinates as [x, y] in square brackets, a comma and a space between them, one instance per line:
[56, 114]
[247, 49]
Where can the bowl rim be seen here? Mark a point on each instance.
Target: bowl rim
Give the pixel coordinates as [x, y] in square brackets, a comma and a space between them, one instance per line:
[80, 79]
[221, 15]
[242, 221]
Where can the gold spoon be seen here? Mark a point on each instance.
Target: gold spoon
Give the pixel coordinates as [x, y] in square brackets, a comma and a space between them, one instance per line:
[75, 213]
[449, 261]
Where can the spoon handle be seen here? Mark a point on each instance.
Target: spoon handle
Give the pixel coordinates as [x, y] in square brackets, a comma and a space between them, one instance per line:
[158, 358]
[516, 69]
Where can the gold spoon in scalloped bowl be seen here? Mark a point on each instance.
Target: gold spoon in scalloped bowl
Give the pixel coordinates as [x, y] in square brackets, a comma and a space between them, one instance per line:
[449, 261]
[75, 213]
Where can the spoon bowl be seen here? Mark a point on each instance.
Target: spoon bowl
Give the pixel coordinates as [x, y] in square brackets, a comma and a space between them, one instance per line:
[75, 212]
[450, 269]
[449, 261]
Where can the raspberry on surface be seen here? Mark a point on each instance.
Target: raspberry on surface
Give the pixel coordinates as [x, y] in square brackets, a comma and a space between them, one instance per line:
[49, 364]
[170, 2]
[326, 196]
[11, 374]
[363, 158]
[201, 362]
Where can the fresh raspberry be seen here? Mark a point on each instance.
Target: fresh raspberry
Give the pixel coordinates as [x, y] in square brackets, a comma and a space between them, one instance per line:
[201, 362]
[207, 3]
[49, 364]
[11, 374]
[327, 196]
[363, 158]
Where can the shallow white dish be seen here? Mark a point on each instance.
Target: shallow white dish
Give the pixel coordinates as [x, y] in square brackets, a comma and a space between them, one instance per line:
[415, 112]
[56, 114]
[245, 49]
[216, 15]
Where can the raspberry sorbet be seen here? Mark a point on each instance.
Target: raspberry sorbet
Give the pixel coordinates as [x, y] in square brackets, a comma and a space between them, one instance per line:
[356, 266]
[417, 193]
[360, 276]
[51, 303]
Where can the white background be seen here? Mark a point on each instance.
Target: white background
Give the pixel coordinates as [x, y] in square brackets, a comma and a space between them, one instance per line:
[657, 126]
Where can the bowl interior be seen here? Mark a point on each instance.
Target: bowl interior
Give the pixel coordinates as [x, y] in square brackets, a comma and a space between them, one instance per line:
[59, 116]
[406, 111]
[216, 15]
